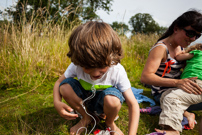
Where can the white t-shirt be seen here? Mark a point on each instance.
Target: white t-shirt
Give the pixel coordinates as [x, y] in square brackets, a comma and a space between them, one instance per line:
[115, 76]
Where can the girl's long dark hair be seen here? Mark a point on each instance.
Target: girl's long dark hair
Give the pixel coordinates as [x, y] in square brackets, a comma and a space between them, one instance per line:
[191, 18]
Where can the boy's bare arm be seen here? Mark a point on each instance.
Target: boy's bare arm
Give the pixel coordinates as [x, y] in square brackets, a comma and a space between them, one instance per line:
[56, 95]
[62, 108]
[184, 56]
[134, 111]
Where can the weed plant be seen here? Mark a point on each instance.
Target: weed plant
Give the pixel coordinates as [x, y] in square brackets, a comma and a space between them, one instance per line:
[33, 56]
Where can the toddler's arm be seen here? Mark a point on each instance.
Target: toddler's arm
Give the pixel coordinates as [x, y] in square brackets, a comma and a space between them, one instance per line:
[184, 56]
[134, 111]
[62, 108]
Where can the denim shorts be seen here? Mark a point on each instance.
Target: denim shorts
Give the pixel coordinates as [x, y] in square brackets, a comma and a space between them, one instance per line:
[96, 103]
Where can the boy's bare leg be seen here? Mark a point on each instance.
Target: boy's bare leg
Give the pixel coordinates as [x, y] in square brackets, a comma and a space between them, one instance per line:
[80, 127]
[168, 130]
[75, 102]
[112, 106]
[191, 119]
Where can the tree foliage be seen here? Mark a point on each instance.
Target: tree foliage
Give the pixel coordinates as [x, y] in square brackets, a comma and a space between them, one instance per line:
[144, 23]
[57, 9]
[120, 28]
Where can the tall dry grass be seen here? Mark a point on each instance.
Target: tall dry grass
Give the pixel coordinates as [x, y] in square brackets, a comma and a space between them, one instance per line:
[34, 51]
[31, 52]
[136, 50]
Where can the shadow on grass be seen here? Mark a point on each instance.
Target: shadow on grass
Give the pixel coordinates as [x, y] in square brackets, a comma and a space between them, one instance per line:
[47, 121]
[44, 121]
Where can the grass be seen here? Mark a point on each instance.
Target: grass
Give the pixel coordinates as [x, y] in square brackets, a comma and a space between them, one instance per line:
[34, 113]
[30, 64]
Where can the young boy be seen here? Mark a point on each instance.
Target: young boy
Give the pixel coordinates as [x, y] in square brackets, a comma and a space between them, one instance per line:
[95, 53]
[175, 102]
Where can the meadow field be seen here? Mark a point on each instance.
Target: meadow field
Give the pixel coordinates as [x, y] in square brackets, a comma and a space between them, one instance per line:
[33, 57]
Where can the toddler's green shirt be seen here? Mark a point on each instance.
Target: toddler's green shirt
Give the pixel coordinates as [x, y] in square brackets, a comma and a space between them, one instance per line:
[194, 66]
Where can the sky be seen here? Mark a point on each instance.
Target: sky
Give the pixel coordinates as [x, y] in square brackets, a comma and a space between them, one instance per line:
[164, 12]
[6, 3]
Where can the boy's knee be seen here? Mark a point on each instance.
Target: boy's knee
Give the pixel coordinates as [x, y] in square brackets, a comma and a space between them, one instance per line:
[112, 101]
[64, 90]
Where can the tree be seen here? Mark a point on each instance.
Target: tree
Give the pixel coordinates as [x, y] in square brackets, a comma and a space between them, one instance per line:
[144, 23]
[162, 30]
[57, 9]
[120, 28]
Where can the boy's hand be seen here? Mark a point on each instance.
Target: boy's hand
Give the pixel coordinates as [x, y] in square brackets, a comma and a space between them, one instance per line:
[189, 86]
[64, 111]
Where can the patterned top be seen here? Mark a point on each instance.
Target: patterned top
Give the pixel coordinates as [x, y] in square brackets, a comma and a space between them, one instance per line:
[168, 69]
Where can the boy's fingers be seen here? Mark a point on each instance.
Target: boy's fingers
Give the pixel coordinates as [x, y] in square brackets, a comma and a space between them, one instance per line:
[69, 109]
[69, 116]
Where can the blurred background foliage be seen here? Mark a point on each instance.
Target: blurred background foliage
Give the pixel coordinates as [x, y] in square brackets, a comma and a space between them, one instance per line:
[73, 12]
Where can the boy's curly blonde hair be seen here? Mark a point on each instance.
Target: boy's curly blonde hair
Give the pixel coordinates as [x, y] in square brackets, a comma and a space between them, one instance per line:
[197, 46]
[94, 45]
